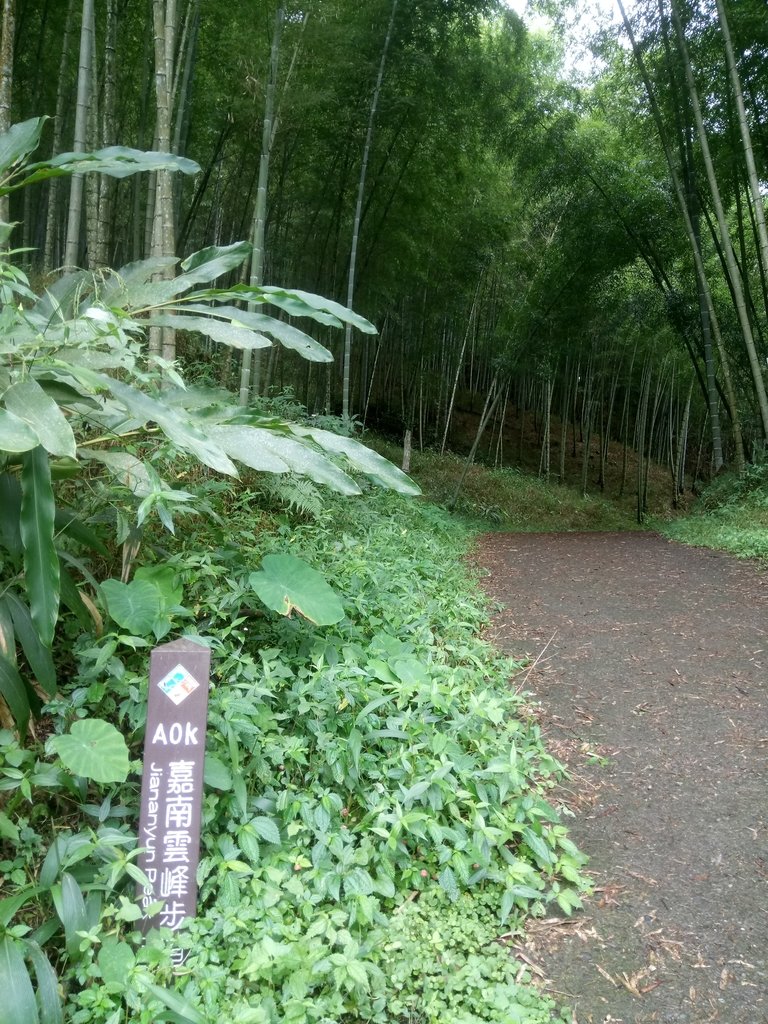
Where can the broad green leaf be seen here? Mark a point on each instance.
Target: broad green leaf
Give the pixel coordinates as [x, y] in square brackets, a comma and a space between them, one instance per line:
[41, 562]
[16, 992]
[208, 264]
[18, 142]
[70, 906]
[286, 583]
[183, 1010]
[48, 997]
[358, 882]
[288, 335]
[10, 906]
[375, 466]
[165, 579]
[93, 749]
[299, 303]
[263, 449]
[267, 829]
[16, 695]
[37, 654]
[224, 333]
[115, 960]
[10, 513]
[116, 161]
[184, 434]
[71, 599]
[29, 402]
[126, 468]
[448, 884]
[16, 435]
[216, 774]
[135, 606]
[7, 632]
[543, 854]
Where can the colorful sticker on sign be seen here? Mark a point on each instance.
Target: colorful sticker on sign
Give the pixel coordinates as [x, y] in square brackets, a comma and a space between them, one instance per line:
[178, 684]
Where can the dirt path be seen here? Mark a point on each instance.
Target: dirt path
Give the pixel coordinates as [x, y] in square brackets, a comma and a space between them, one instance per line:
[655, 656]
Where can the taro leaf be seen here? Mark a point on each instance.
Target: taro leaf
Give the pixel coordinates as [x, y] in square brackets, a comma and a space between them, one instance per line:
[19, 1006]
[93, 749]
[136, 606]
[375, 466]
[16, 435]
[286, 582]
[41, 562]
[164, 578]
[27, 400]
[409, 671]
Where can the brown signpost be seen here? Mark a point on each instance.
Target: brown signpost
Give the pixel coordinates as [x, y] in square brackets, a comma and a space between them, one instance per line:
[172, 783]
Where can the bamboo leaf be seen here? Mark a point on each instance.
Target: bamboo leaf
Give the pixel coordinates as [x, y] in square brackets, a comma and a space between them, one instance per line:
[41, 563]
[183, 1010]
[70, 906]
[210, 263]
[299, 303]
[18, 996]
[288, 335]
[10, 513]
[116, 161]
[29, 402]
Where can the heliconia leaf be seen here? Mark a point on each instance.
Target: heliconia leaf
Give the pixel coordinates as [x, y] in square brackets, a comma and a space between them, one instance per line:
[15, 693]
[286, 583]
[260, 449]
[375, 466]
[27, 400]
[16, 435]
[115, 161]
[41, 562]
[93, 749]
[18, 142]
[210, 263]
[223, 333]
[48, 997]
[37, 654]
[18, 996]
[181, 432]
[10, 513]
[299, 303]
[288, 335]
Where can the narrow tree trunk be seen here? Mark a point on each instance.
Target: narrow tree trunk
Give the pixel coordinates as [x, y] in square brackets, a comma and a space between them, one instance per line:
[260, 212]
[6, 82]
[491, 401]
[358, 211]
[84, 86]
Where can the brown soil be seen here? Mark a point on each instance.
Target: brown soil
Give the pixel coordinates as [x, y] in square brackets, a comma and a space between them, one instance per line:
[652, 677]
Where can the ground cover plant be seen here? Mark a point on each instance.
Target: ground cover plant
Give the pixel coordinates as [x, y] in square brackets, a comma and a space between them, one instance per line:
[731, 514]
[349, 768]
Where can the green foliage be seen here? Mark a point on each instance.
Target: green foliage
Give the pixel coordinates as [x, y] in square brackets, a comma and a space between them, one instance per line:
[93, 749]
[731, 515]
[286, 583]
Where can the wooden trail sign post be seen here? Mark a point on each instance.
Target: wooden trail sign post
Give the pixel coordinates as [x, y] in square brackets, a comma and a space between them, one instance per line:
[172, 783]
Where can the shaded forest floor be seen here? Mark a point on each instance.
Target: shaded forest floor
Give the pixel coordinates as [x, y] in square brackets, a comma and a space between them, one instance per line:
[649, 662]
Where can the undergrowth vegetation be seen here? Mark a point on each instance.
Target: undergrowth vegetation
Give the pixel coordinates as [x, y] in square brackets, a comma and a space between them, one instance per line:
[376, 809]
[509, 499]
[730, 515]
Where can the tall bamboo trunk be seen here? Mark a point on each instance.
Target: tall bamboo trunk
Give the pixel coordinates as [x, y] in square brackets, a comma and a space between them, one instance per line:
[7, 34]
[84, 87]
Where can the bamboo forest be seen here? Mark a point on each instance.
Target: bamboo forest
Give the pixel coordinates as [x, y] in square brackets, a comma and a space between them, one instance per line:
[386, 382]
